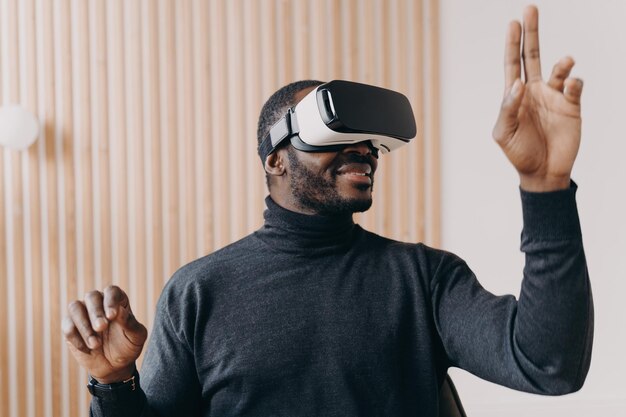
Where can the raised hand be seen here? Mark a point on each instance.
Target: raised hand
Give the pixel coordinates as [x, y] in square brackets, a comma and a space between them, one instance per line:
[103, 335]
[539, 125]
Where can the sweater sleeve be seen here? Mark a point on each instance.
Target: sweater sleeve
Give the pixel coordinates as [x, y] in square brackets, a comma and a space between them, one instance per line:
[542, 342]
[169, 382]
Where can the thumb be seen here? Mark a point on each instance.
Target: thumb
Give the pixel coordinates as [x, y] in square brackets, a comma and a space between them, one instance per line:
[134, 331]
[118, 311]
[507, 122]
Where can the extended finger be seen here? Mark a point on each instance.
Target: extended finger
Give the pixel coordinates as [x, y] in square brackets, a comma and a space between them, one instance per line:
[560, 72]
[114, 298]
[532, 63]
[573, 90]
[95, 308]
[512, 59]
[80, 319]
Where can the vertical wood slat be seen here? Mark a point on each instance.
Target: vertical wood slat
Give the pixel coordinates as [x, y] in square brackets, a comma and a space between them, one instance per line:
[32, 210]
[168, 118]
[50, 208]
[103, 258]
[118, 161]
[234, 90]
[255, 183]
[434, 197]
[334, 43]
[9, 59]
[416, 95]
[147, 156]
[5, 396]
[64, 147]
[366, 75]
[184, 139]
[5, 399]
[202, 128]
[14, 243]
[299, 34]
[401, 77]
[284, 41]
[135, 138]
[153, 173]
[219, 134]
[385, 193]
[270, 55]
[82, 154]
[317, 32]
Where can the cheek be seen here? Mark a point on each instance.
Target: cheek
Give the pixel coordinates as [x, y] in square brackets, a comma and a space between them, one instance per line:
[320, 163]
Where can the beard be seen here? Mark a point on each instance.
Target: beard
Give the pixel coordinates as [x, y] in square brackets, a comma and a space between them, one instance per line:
[320, 194]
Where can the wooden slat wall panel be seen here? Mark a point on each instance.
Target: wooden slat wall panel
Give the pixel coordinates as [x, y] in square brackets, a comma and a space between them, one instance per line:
[147, 153]
[153, 242]
[31, 207]
[37, 286]
[433, 157]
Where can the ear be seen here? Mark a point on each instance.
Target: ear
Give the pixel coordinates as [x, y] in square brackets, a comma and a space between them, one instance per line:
[274, 164]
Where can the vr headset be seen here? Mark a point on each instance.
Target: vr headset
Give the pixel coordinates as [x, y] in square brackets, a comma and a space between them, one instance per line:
[340, 113]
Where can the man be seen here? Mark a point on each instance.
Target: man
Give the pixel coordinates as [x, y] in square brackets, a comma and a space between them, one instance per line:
[312, 315]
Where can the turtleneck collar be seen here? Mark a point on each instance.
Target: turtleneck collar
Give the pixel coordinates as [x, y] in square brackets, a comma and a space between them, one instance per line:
[288, 231]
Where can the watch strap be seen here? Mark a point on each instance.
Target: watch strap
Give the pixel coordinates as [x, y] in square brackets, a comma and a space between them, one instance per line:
[116, 390]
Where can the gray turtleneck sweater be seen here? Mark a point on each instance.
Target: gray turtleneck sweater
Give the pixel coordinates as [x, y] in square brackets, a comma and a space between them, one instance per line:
[314, 316]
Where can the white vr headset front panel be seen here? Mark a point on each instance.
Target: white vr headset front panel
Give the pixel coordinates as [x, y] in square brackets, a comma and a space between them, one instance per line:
[313, 130]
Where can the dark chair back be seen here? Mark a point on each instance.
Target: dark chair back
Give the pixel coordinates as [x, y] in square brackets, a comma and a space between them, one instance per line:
[449, 401]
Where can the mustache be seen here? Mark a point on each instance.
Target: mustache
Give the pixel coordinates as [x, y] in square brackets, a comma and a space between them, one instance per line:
[353, 158]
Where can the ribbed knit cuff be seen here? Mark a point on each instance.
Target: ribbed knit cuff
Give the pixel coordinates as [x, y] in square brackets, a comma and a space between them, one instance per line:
[551, 215]
[131, 405]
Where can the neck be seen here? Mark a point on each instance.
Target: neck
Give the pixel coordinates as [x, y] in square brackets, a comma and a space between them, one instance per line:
[291, 204]
[295, 232]
[339, 209]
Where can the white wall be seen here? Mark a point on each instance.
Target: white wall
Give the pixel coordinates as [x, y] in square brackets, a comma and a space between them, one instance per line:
[481, 211]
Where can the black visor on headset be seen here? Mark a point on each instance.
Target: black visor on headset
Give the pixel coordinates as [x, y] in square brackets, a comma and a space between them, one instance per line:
[340, 113]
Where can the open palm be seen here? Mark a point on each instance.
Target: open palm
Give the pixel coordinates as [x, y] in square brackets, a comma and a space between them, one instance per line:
[539, 126]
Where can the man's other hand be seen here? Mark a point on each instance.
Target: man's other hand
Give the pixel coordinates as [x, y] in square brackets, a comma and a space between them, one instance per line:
[539, 125]
[103, 335]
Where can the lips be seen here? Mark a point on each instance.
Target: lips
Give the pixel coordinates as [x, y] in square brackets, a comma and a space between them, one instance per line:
[360, 173]
[355, 169]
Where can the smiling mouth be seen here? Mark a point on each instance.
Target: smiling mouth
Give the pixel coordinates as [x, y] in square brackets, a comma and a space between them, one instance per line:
[359, 176]
[358, 169]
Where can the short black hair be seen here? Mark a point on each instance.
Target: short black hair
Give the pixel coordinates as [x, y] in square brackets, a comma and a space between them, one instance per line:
[277, 105]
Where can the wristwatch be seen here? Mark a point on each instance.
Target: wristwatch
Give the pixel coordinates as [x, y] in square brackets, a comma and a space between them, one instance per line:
[116, 390]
